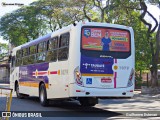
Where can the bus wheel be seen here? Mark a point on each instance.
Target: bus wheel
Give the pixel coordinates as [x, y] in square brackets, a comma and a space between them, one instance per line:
[43, 95]
[88, 101]
[19, 95]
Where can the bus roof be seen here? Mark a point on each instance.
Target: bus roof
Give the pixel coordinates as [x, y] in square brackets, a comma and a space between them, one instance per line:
[104, 25]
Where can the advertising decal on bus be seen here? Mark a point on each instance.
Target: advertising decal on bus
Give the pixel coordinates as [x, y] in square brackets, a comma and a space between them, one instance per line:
[104, 39]
[33, 75]
[96, 65]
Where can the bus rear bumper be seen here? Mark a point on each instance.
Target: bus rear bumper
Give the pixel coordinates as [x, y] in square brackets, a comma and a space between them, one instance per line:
[101, 93]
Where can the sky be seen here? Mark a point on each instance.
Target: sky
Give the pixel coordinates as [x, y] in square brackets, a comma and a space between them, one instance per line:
[155, 11]
[9, 8]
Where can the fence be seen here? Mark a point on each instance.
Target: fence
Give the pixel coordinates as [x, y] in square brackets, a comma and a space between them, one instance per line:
[5, 102]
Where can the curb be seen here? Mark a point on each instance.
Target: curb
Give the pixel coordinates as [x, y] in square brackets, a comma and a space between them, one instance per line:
[147, 96]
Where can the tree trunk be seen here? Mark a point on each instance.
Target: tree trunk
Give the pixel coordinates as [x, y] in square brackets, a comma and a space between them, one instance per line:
[154, 79]
[154, 50]
[140, 75]
[154, 68]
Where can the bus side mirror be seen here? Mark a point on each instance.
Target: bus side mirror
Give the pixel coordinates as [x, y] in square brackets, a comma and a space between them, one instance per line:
[74, 24]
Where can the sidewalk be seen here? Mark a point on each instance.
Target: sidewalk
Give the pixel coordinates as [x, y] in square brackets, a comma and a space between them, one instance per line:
[137, 93]
[4, 86]
[4, 92]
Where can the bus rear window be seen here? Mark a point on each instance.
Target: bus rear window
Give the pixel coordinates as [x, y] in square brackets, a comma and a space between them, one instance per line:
[105, 39]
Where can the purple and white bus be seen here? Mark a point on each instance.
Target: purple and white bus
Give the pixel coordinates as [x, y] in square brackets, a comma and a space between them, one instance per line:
[85, 62]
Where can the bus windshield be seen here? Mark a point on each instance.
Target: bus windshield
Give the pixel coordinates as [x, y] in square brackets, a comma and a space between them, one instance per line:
[105, 39]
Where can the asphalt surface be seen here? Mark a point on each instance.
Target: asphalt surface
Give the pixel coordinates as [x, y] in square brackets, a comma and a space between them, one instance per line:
[106, 109]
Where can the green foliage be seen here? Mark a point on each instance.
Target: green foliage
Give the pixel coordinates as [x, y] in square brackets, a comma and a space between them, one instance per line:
[43, 16]
[4, 46]
[3, 50]
[21, 26]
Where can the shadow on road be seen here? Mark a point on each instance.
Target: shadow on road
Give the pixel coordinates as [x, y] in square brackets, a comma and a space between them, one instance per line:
[62, 109]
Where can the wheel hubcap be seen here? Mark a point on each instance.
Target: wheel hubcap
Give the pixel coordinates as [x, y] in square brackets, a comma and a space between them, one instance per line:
[42, 95]
[17, 90]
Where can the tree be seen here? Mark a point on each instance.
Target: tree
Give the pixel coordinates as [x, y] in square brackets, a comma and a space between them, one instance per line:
[152, 39]
[152, 43]
[28, 23]
[22, 25]
[3, 50]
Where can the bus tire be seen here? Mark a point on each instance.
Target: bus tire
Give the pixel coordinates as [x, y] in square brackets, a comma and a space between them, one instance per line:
[43, 95]
[88, 102]
[19, 95]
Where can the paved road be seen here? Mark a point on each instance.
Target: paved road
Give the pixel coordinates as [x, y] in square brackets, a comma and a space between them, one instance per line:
[106, 109]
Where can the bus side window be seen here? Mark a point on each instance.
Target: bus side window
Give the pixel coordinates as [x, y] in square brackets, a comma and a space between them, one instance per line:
[13, 61]
[17, 56]
[53, 43]
[25, 56]
[41, 55]
[18, 59]
[32, 49]
[52, 46]
[32, 54]
[63, 47]
[41, 47]
[25, 52]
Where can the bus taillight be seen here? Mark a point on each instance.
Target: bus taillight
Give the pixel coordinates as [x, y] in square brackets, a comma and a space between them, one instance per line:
[78, 77]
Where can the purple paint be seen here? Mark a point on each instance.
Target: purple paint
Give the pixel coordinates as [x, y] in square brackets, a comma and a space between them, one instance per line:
[96, 65]
[26, 73]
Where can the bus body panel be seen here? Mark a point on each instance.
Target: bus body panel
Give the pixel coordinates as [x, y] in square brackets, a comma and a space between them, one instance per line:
[59, 80]
[99, 92]
[59, 75]
[121, 84]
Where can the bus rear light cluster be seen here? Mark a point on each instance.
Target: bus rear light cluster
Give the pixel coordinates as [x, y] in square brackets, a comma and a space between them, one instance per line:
[131, 91]
[78, 77]
[130, 80]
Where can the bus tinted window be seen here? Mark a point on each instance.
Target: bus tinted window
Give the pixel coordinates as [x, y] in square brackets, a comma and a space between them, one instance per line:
[19, 53]
[51, 55]
[18, 62]
[41, 57]
[32, 50]
[52, 44]
[25, 60]
[63, 47]
[64, 40]
[31, 59]
[41, 47]
[25, 52]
